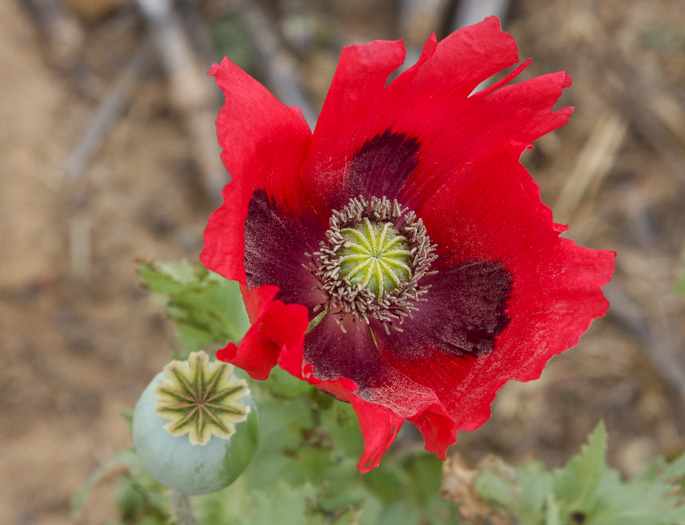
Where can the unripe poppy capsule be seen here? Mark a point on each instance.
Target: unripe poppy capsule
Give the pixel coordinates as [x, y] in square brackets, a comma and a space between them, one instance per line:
[195, 426]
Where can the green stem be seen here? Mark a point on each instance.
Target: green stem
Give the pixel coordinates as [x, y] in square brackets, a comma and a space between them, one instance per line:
[181, 509]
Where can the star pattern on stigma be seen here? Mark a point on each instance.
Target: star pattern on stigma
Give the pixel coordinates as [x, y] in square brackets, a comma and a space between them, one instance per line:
[399, 257]
[201, 399]
[374, 256]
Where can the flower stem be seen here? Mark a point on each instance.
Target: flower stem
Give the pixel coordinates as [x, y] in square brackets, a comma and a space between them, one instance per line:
[181, 509]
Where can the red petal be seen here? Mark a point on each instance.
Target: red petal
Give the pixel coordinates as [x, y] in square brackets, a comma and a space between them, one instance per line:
[224, 236]
[264, 143]
[276, 328]
[491, 210]
[438, 429]
[264, 140]
[349, 114]
[455, 131]
[430, 102]
[459, 63]
[379, 426]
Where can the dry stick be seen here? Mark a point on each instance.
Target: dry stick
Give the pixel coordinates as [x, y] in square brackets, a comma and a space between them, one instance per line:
[62, 31]
[279, 66]
[418, 19]
[594, 162]
[191, 91]
[653, 108]
[662, 350]
[107, 114]
[81, 156]
[473, 11]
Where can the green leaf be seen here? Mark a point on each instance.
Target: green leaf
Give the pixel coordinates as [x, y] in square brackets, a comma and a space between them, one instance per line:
[674, 471]
[240, 505]
[552, 512]
[205, 307]
[425, 474]
[493, 488]
[385, 482]
[127, 414]
[285, 385]
[576, 484]
[537, 493]
[635, 503]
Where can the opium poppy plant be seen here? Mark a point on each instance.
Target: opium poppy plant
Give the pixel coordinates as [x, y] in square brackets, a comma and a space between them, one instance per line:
[399, 257]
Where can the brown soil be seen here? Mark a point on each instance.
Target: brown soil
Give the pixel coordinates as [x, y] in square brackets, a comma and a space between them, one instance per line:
[79, 338]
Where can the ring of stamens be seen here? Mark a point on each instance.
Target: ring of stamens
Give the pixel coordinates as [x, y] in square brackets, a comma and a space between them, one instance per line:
[372, 260]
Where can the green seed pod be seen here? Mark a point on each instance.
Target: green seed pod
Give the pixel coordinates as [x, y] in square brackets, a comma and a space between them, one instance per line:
[195, 426]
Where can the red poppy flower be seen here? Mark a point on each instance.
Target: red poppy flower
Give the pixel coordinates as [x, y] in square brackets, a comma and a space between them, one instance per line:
[405, 230]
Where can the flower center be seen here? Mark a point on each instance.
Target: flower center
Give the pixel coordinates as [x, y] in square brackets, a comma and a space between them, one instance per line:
[371, 262]
[376, 256]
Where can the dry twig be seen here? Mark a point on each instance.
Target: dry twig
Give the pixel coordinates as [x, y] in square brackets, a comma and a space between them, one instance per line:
[191, 92]
[279, 66]
[472, 11]
[594, 162]
[657, 336]
[62, 31]
[107, 114]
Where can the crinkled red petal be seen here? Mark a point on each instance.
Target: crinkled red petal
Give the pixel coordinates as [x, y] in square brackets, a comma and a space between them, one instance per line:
[264, 143]
[276, 328]
[492, 211]
[348, 114]
[429, 102]
[379, 426]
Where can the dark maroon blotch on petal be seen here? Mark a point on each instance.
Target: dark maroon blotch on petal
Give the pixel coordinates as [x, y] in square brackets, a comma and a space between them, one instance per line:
[382, 166]
[275, 247]
[351, 354]
[463, 313]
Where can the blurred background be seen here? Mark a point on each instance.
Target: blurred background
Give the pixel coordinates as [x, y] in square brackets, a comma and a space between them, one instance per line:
[108, 155]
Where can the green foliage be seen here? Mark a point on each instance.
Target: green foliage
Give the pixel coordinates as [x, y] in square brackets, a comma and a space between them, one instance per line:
[587, 491]
[304, 471]
[307, 460]
[575, 486]
[205, 307]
